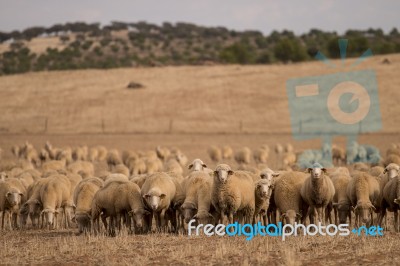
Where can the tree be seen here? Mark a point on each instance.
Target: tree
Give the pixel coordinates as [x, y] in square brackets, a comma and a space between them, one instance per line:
[237, 53]
[290, 50]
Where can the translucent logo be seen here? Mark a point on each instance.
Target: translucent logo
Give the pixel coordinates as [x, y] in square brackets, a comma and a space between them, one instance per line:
[338, 104]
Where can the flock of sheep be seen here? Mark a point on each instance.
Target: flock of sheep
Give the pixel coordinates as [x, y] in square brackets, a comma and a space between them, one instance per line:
[161, 190]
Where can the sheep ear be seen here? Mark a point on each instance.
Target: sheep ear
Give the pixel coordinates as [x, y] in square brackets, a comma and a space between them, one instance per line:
[8, 194]
[324, 170]
[21, 194]
[230, 172]
[262, 176]
[397, 201]
[385, 171]
[283, 216]
[190, 166]
[275, 174]
[145, 196]
[298, 215]
[373, 207]
[309, 170]
[204, 165]
[162, 196]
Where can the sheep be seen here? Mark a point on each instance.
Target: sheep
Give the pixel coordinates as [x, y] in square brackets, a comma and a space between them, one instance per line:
[391, 200]
[389, 172]
[78, 154]
[243, 156]
[289, 148]
[153, 165]
[341, 204]
[391, 158]
[15, 150]
[288, 159]
[93, 154]
[233, 192]
[376, 171]
[227, 152]
[115, 177]
[53, 166]
[260, 155]
[361, 167]
[318, 191]
[83, 197]
[101, 153]
[338, 155]
[174, 166]
[287, 197]
[84, 167]
[262, 195]
[278, 149]
[137, 167]
[113, 159]
[197, 165]
[393, 150]
[159, 193]
[162, 152]
[33, 206]
[197, 201]
[65, 154]
[215, 154]
[121, 169]
[54, 195]
[11, 198]
[363, 192]
[269, 174]
[138, 179]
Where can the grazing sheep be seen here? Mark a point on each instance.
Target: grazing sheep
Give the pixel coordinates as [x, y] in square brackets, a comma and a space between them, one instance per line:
[159, 192]
[173, 166]
[318, 191]
[83, 197]
[261, 155]
[287, 197]
[121, 169]
[391, 200]
[53, 166]
[227, 152]
[54, 195]
[278, 149]
[197, 195]
[113, 159]
[153, 165]
[363, 192]
[262, 195]
[341, 203]
[33, 206]
[93, 154]
[233, 192]
[197, 165]
[243, 156]
[84, 167]
[215, 154]
[137, 167]
[129, 155]
[288, 159]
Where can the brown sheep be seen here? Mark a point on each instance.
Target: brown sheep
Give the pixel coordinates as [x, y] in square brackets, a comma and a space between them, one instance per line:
[227, 152]
[391, 200]
[243, 156]
[363, 192]
[215, 154]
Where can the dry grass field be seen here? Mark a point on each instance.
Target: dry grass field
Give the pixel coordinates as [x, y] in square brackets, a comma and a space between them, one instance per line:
[191, 108]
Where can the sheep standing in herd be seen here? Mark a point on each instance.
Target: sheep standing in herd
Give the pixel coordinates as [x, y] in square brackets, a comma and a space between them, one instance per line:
[287, 197]
[341, 203]
[318, 191]
[233, 192]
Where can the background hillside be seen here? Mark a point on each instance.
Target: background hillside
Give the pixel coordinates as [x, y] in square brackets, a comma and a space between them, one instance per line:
[80, 46]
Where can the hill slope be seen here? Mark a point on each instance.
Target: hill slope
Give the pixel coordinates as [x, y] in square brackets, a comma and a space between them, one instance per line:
[203, 99]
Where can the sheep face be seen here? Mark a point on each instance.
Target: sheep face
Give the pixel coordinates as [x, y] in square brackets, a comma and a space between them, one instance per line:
[222, 175]
[316, 172]
[203, 218]
[263, 189]
[154, 200]
[34, 209]
[188, 213]
[197, 165]
[49, 216]
[269, 175]
[290, 217]
[14, 198]
[392, 170]
[343, 212]
[83, 220]
[364, 211]
[138, 216]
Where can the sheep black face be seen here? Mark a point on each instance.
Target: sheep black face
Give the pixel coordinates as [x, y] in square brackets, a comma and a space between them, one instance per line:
[138, 216]
[188, 210]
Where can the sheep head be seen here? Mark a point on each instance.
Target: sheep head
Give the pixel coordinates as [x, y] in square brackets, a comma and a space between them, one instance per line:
[392, 170]
[197, 165]
[222, 173]
[316, 171]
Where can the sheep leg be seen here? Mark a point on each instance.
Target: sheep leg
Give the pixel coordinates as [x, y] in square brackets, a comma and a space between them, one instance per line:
[163, 221]
[396, 220]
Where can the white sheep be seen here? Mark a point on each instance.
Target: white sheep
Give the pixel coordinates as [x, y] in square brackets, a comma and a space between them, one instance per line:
[233, 192]
[318, 191]
[341, 203]
[243, 156]
[214, 153]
